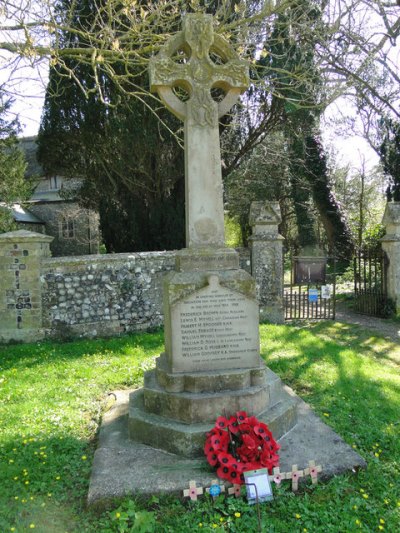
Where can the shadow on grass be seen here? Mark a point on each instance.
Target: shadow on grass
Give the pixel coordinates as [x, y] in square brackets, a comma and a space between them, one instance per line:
[340, 369]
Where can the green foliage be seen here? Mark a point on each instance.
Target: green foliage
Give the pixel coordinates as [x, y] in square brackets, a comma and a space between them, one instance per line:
[13, 185]
[232, 233]
[362, 197]
[389, 152]
[130, 171]
[50, 404]
[373, 235]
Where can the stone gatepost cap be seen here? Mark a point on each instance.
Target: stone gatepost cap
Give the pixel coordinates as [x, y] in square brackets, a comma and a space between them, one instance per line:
[265, 213]
[23, 235]
[392, 213]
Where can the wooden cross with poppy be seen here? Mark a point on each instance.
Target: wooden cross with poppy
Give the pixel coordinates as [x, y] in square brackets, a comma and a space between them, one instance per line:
[277, 476]
[295, 474]
[313, 471]
[236, 490]
[192, 492]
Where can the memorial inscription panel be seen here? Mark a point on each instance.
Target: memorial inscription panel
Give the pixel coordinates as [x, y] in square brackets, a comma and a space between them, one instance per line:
[216, 328]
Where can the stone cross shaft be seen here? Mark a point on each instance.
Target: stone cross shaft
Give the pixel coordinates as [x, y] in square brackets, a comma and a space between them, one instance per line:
[197, 74]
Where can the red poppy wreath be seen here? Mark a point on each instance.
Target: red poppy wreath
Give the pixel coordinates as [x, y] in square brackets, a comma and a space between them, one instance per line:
[239, 444]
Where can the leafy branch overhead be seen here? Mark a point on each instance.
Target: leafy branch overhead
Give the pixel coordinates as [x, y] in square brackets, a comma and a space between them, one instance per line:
[118, 38]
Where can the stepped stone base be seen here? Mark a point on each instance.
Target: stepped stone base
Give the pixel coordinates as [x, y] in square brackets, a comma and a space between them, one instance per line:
[124, 467]
[178, 422]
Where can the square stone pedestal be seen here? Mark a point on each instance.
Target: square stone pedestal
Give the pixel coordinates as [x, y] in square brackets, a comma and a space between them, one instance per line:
[211, 365]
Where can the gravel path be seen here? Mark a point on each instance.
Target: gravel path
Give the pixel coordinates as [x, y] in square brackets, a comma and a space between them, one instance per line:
[386, 327]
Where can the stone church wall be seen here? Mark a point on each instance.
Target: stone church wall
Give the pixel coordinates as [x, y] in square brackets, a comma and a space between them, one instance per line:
[106, 294]
[93, 295]
[98, 295]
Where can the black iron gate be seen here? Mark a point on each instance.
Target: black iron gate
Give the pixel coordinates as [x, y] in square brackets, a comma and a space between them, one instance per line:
[370, 282]
[311, 291]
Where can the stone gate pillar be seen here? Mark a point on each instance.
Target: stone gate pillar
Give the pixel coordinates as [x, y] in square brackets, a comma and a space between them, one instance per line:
[391, 245]
[20, 286]
[267, 259]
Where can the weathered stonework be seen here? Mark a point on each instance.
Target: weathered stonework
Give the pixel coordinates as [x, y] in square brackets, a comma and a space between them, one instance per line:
[21, 255]
[104, 294]
[391, 245]
[267, 259]
[94, 295]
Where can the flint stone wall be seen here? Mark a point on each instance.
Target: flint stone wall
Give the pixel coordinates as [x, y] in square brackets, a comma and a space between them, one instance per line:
[100, 295]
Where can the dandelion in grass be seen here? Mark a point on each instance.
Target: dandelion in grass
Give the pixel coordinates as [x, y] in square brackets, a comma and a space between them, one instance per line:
[237, 514]
[298, 516]
[83, 457]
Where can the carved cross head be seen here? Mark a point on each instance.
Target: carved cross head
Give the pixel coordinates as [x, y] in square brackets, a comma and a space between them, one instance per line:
[197, 61]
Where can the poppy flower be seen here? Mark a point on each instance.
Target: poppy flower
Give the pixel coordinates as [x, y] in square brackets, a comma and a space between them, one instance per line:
[226, 458]
[234, 475]
[221, 422]
[241, 416]
[234, 426]
[252, 421]
[208, 447]
[219, 442]
[261, 430]
[212, 458]
[223, 471]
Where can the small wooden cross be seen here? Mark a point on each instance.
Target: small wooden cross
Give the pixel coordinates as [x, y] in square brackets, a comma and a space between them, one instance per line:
[192, 492]
[313, 471]
[236, 490]
[295, 475]
[277, 476]
[217, 488]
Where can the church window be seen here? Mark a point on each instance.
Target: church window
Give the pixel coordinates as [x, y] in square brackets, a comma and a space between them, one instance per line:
[67, 228]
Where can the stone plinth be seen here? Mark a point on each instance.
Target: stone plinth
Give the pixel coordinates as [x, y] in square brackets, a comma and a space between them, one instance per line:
[391, 245]
[21, 253]
[211, 363]
[267, 259]
[178, 423]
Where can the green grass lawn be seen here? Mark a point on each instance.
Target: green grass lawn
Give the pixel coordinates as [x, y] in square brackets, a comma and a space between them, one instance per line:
[52, 396]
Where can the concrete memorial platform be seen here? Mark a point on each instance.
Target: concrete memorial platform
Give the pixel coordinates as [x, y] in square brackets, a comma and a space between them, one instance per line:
[122, 467]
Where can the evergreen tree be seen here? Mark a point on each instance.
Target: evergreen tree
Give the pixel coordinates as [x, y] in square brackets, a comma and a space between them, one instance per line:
[129, 170]
[389, 152]
[13, 185]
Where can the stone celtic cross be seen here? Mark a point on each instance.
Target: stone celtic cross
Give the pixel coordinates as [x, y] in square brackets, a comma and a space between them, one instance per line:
[200, 113]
